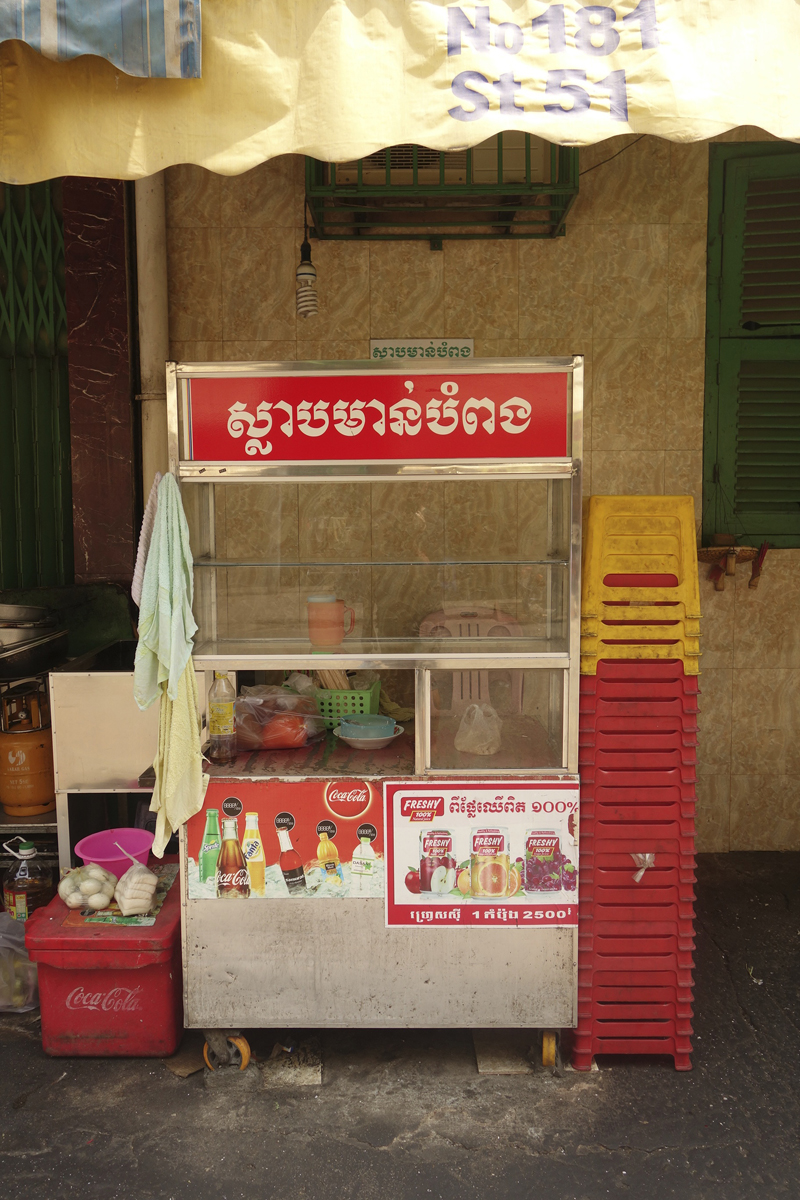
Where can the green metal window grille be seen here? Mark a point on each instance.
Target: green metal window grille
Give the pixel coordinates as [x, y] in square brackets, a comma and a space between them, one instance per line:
[35, 491]
[511, 186]
[751, 469]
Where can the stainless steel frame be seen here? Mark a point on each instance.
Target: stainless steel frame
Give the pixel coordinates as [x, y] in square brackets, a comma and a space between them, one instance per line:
[297, 968]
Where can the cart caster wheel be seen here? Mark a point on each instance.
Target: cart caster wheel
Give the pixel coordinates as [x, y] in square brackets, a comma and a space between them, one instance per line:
[239, 1048]
[548, 1048]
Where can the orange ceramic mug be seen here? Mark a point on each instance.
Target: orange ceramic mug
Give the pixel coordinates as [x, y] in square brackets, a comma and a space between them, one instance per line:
[326, 620]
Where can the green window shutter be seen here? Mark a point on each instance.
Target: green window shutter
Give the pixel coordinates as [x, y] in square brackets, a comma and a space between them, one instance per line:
[35, 476]
[752, 434]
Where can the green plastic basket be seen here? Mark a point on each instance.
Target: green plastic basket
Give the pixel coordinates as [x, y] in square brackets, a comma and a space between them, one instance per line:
[335, 705]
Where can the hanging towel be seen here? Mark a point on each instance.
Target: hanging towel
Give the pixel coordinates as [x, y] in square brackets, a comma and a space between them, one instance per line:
[163, 667]
[145, 535]
[180, 783]
[166, 624]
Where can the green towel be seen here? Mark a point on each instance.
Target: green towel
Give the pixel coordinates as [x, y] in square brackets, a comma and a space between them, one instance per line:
[163, 666]
[166, 623]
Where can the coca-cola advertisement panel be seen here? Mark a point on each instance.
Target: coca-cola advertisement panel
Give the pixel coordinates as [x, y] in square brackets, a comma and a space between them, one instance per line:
[411, 417]
[267, 839]
[482, 854]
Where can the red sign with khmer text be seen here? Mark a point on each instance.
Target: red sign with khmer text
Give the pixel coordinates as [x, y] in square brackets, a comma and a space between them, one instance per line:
[390, 418]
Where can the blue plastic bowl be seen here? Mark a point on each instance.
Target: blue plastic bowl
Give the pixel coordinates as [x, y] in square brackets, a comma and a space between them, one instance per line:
[366, 725]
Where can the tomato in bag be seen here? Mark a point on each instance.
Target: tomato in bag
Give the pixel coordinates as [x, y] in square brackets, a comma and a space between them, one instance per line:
[285, 731]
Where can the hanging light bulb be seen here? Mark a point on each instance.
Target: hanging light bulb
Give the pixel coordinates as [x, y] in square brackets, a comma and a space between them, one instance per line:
[306, 276]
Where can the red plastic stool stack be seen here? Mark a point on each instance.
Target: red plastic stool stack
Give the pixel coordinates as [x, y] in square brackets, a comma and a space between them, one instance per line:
[637, 761]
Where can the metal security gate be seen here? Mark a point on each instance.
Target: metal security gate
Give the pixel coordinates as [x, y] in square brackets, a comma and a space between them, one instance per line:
[35, 486]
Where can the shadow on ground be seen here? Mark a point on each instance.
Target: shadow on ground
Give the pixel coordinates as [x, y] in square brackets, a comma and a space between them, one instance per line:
[405, 1114]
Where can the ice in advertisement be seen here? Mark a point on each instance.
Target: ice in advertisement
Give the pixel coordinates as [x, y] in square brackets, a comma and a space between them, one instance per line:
[482, 854]
[280, 840]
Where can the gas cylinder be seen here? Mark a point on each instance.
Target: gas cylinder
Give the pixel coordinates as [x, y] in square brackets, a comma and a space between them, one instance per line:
[27, 784]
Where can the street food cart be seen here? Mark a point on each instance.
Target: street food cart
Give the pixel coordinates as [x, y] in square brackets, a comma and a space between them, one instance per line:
[425, 515]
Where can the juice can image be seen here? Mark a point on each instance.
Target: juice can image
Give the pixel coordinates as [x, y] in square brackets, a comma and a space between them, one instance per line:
[437, 863]
[543, 862]
[490, 863]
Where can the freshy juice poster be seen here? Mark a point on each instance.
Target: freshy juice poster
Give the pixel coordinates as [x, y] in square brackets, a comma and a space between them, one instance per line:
[488, 854]
[275, 840]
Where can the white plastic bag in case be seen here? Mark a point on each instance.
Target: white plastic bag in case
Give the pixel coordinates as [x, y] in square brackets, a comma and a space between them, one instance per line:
[479, 731]
[19, 990]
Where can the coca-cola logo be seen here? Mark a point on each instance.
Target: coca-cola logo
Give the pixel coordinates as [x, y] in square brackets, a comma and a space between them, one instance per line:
[437, 844]
[233, 878]
[422, 808]
[348, 797]
[114, 1000]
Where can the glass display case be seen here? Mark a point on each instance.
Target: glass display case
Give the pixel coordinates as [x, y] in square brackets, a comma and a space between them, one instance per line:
[431, 510]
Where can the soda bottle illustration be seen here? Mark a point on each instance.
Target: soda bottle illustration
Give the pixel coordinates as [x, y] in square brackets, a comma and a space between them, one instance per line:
[362, 868]
[253, 851]
[209, 847]
[290, 863]
[233, 881]
[328, 857]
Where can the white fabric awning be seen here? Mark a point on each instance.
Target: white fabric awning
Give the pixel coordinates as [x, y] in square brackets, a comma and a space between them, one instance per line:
[339, 79]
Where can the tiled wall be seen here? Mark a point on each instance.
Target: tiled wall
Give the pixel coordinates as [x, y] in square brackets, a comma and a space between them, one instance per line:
[626, 288]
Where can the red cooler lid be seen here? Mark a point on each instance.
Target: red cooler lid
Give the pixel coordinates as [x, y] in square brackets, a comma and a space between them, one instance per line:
[45, 929]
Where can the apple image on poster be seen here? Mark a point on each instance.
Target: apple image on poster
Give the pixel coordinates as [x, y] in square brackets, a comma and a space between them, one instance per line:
[437, 874]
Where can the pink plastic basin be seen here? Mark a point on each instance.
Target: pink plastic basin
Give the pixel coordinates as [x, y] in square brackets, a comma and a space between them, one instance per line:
[99, 848]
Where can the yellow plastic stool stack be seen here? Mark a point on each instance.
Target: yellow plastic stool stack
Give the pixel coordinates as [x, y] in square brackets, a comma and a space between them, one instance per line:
[630, 536]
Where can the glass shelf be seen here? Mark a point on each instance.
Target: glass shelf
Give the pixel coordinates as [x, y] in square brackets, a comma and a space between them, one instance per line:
[457, 653]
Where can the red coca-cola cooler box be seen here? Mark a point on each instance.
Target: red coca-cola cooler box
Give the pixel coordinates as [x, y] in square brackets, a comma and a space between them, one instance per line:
[109, 990]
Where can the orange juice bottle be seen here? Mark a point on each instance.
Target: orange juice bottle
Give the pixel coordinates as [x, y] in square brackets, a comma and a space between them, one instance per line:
[328, 857]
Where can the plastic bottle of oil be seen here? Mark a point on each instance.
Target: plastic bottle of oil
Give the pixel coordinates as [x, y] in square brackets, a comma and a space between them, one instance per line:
[27, 885]
[221, 728]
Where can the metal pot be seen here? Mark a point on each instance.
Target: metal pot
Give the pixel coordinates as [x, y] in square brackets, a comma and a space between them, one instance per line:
[26, 615]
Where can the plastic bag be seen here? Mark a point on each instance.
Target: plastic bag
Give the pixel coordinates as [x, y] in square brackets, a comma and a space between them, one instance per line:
[89, 886]
[19, 990]
[479, 731]
[301, 683]
[274, 718]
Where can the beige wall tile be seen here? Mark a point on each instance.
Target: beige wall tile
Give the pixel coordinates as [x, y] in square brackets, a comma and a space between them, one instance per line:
[556, 285]
[714, 722]
[713, 816]
[469, 587]
[269, 196]
[192, 197]
[194, 271]
[333, 349]
[627, 473]
[683, 476]
[629, 388]
[765, 812]
[631, 188]
[688, 182]
[196, 351]
[261, 522]
[588, 483]
[766, 718]
[285, 351]
[258, 604]
[716, 627]
[404, 596]
[630, 281]
[343, 288]
[499, 348]
[258, 287]
[334, 520]
[481, 296]
[406, 290]
[767, 630]
[480, 521]
[408, 521]
[687, 280]
[686, 371]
